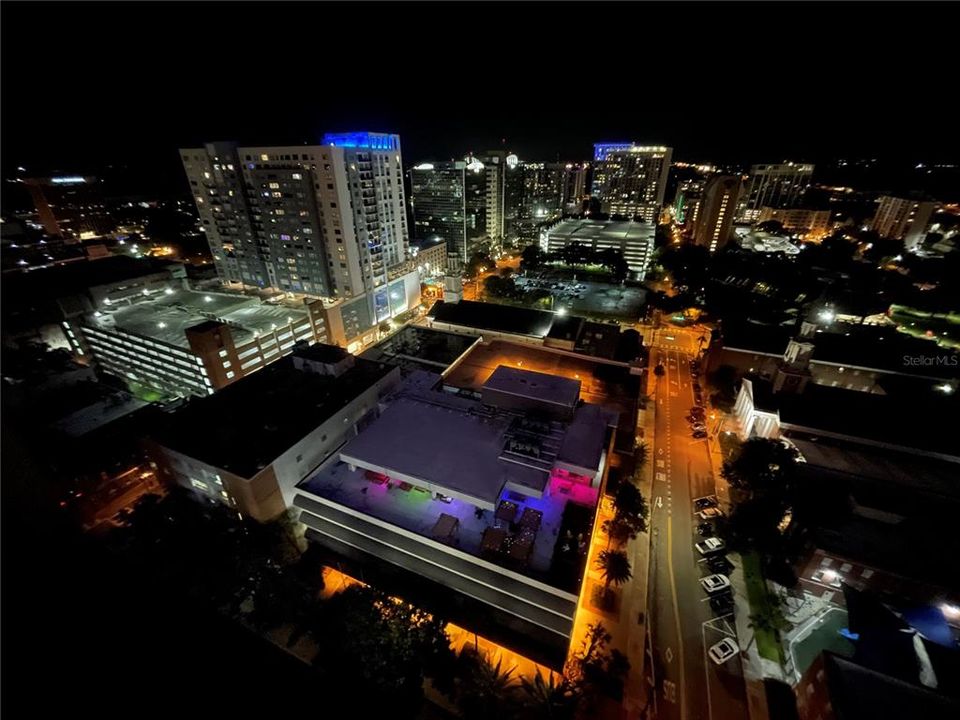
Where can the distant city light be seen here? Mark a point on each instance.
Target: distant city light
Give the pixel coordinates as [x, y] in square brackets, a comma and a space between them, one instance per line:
[207, 298]
[168, 291]
[161, 325]
[561, 311]
[68, 180]
[827, 316]
[946, 388]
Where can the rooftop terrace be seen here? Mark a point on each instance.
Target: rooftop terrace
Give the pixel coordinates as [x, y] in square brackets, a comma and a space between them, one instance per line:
[500, 540]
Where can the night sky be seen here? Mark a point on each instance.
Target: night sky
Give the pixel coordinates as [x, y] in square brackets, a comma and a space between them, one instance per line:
[88, 85]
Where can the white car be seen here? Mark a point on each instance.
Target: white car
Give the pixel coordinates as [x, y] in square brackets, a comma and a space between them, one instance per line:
[710, 513]
[710, 546]
[715, 583]
[723, 651]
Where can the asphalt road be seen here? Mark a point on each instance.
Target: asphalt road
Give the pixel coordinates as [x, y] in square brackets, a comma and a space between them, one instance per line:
[689, 686]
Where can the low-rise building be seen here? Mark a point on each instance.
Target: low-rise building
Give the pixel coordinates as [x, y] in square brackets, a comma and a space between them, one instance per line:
[538, 327]
[250, 444]
[870, 359]
[430, 256]
[489, 499]
[810, 225]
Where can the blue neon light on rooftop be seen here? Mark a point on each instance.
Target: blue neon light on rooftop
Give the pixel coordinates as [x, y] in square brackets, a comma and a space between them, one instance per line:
[363, 140]
[600, 150]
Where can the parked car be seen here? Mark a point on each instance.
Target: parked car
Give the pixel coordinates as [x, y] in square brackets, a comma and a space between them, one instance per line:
[698, 412]
[710, 513]
[696, 425]
[704, 528]
[697, 388]
[704, 502]
[720, 564]
[715, 583]
[722, 603]
[710, 546]
[723, 651]
[699, 434]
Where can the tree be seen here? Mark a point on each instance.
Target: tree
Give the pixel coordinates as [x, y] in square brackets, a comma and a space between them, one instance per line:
[615, 567]
[613, 260]
[774, 227]
[724, 381]
[479, 262]
[630, 507]
[384, 648]
[592, 670]
[663, 236]
[497, 286]
[485, 690]
[762, 467]
[659, 370]
[532, 258]
[548, 699]
[506, 273]
[640, 454]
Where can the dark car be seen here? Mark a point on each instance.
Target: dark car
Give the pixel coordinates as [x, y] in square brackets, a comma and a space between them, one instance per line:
[698, 412]
[720, 564]
[699, 434]
[704, 529]
[705, 502]
[697, 388]
[722, 604]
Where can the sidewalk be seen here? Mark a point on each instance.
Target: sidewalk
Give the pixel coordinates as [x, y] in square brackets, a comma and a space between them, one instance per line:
[755, 668]
[628, 634]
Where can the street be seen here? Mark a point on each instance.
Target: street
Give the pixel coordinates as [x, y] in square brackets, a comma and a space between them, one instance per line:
[689, 686]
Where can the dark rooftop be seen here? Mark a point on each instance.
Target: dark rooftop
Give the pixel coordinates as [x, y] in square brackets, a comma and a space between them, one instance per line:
[881, 348]
[491, 316]
[925, 422]
[77, 277]
[857, 692]
[420, 348]
[247, 425]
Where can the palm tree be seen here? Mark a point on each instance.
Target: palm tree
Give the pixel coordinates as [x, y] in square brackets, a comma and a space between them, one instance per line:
[548, 699]
[487, 691]
[641, 454]
[615, 568]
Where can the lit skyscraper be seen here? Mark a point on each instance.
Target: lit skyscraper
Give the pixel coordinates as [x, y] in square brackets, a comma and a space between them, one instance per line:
[438, 201]
[902, 219]
[326, 220]
[631, 179]
[714, 217]
[775, 186]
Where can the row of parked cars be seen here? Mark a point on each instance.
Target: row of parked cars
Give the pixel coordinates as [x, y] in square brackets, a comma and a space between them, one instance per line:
[717, 583]
[563, 289]
[698, 414]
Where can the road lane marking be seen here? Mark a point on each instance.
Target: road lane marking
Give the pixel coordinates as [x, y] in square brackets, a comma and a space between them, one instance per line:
[669, 655]
[676, 606]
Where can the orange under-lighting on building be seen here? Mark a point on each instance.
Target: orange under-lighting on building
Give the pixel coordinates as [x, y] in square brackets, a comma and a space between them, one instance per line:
[460, 638]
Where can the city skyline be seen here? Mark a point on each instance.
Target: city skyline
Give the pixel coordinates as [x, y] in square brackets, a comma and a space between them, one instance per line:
[440, 118]
[575, 360]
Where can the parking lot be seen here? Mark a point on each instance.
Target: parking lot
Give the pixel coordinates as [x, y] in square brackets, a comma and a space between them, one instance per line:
[591, 299]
